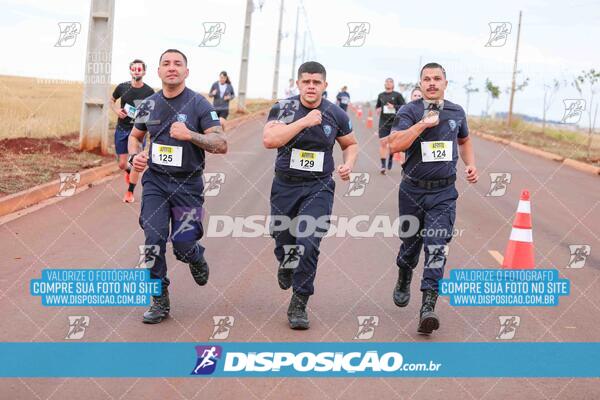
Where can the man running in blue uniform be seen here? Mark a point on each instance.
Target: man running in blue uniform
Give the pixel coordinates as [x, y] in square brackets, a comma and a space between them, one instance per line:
[343, 98]
[304, 130]
[182, 126]
[433, 132]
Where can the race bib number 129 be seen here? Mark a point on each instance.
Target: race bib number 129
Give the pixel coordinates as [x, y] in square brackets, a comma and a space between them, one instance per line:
[305, 160]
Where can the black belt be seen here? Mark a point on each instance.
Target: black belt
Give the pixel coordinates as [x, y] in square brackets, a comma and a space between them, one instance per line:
[179, 174]
[433, 183]
[296, 179]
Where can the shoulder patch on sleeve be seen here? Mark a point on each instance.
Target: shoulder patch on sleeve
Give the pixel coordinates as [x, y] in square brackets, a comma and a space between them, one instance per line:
[214, 116]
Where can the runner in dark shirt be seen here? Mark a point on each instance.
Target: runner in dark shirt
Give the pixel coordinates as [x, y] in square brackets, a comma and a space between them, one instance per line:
[131, 95]
[388, 103]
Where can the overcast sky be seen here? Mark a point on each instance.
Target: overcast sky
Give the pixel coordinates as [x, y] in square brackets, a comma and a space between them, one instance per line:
[558, 40]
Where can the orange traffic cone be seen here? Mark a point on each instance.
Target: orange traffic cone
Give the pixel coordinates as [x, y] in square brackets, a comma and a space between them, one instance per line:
[519, 251]
[359, 113]
[370, 119]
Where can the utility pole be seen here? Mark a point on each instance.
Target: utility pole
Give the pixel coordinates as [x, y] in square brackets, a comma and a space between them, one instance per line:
[277, 54]
[295, 44]
[514, 76]
[93, 134]
[245, 55]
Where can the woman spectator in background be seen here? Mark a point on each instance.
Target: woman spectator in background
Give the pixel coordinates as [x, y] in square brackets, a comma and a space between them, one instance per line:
[222, 93]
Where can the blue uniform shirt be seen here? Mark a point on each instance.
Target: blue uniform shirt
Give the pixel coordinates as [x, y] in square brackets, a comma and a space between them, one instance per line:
[343, 99]
[320, 138]
[157, 113]
[452, 125]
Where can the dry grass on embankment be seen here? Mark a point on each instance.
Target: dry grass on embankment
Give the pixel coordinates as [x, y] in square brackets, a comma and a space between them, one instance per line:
[554, 139]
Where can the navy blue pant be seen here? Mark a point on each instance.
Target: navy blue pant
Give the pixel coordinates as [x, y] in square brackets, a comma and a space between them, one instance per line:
[310, 199]
[171, 209]
[435, 209]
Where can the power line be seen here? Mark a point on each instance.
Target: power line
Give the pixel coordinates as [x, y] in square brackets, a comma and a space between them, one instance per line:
[307, 27]
[295, 42]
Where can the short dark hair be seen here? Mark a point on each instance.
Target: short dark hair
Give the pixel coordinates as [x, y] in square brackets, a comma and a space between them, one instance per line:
[172, 51]
[138, 61]
[312, 67]
[432, 65]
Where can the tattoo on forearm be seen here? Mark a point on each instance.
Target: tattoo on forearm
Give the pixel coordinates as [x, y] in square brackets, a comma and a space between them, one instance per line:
[212, 141]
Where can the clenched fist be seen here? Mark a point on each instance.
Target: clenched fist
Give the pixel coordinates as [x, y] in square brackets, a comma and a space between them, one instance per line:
[140, 161]
[432, 118]
[313, 118]
[180, 132]
[344, 172]
[471, 174]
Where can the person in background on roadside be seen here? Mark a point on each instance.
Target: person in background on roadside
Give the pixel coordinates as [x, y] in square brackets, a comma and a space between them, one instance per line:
[222, 93]
[343, 98]
[291, 90]
[131, 94]
[388, 104]
[416, 94]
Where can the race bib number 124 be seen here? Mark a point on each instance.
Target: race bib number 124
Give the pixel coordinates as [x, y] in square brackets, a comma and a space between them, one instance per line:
[436, 151]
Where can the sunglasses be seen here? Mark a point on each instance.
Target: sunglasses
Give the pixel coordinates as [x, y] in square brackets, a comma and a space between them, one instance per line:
[136, 69]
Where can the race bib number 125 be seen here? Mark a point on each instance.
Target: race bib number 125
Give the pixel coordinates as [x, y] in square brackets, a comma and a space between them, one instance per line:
[167, 155]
